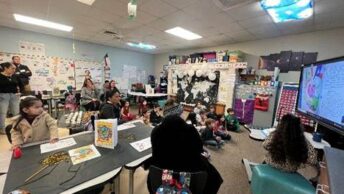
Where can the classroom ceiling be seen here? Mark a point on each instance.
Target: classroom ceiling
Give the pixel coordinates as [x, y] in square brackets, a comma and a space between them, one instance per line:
[217, 25]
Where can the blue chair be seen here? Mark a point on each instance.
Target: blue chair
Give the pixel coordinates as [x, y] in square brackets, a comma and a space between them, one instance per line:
[269, 180]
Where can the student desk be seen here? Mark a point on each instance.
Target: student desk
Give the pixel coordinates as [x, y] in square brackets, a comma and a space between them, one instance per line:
[90, 173]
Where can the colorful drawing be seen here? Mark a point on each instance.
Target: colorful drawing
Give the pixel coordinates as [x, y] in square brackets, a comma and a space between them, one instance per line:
[106, 133]
[314, 79]
[83, 154]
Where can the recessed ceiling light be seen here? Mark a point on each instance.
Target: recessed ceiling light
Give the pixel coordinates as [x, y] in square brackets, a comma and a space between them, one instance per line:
[87, 2]
[141, 45]
[40, 22]
[183, 33]
[287, 10]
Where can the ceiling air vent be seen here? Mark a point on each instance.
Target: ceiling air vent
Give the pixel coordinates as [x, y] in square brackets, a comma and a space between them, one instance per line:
[229, 4]
[113, 34]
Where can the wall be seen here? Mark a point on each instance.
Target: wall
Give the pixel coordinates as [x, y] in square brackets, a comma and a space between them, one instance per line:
[62, 47]
[328, 44]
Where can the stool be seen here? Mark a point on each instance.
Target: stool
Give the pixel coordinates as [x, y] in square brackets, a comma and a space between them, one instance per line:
[269, 180]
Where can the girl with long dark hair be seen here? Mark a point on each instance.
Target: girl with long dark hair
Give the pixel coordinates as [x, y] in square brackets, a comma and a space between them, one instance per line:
[287, 147]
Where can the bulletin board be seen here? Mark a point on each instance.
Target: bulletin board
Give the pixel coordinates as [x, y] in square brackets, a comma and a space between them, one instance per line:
[49, 72]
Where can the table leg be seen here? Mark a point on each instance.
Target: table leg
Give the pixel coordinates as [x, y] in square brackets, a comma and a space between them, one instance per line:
[117, 184]
[131, 181]
[49, 107]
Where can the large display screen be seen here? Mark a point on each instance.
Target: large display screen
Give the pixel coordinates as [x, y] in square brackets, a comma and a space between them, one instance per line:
[321, 93]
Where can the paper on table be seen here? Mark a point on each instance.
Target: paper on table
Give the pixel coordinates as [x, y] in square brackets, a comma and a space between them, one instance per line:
[125, 126]
[83, 154]
[142, 145]
[5, 160]
[63, 143]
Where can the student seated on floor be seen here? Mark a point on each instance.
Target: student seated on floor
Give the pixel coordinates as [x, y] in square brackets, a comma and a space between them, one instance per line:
[232, 123]
[208, 136]
[111, 108]
[211, 114]
[143, 107]
[177, 146]
[288, 149]
[201, 118]
[199, 107]
[125, 112]
[32, 124]
[220, 129]
[155, 115]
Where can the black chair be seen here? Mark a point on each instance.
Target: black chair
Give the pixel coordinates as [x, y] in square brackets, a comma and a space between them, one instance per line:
[197, 182]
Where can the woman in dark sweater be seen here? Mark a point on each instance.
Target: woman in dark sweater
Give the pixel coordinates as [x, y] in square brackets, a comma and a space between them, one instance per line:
[111, 108]
[177, 146]
[9, 92]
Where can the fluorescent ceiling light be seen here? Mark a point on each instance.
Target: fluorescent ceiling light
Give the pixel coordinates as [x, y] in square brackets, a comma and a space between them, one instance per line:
[287, 10]
[40, 22]
[141, 45]
[183, 33]
[87, 2]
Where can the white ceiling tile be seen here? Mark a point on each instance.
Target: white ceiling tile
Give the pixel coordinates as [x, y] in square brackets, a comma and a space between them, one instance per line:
[157, 8]
[251, 10]
[328, 6]
[181, 3]
[241, 36]
[264, 31]
[226, 28]
[256, 21]
[216, 19]
[159, 24]
[144, 18]
[200, 9]
[179, 18]
[112, 6]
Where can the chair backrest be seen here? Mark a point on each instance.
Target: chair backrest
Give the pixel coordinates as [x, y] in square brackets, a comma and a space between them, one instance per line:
[197, 182]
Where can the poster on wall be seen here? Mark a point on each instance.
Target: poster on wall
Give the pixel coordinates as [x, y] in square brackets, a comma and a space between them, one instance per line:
[198, 87]
[31, 48]
[52, 72]
[95, 69]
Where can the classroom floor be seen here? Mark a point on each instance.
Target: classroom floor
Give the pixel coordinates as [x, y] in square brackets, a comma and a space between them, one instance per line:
[227, 160]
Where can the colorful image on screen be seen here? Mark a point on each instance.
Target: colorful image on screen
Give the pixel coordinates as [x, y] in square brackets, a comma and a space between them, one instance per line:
[322, 92]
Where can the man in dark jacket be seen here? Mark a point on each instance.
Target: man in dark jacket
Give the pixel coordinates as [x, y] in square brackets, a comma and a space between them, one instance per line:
[23, 73]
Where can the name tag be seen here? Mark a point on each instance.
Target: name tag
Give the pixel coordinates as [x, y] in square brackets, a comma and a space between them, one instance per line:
[23, 70]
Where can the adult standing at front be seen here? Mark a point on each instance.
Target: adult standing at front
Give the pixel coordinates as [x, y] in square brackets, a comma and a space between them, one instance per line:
[24, 74]
[89, 96]
[9, 92]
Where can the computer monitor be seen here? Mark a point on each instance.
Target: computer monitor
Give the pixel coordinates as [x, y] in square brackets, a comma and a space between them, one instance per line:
[321, 93]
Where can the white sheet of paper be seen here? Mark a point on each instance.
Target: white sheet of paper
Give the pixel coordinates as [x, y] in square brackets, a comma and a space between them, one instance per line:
[5, 160]
[142, 145]
[63, 143]
[125, 126]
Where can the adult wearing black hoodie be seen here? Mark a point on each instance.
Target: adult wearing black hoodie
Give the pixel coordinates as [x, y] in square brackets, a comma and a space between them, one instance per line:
[177, 146]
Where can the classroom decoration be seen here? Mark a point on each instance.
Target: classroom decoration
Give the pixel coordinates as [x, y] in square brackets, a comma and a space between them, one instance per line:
[31, 48]
[56, 72]
[287, 103]
[194, 89]
[286, 60]
[261, 102]
[106, 133]
[83, 154]
[211, 83]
